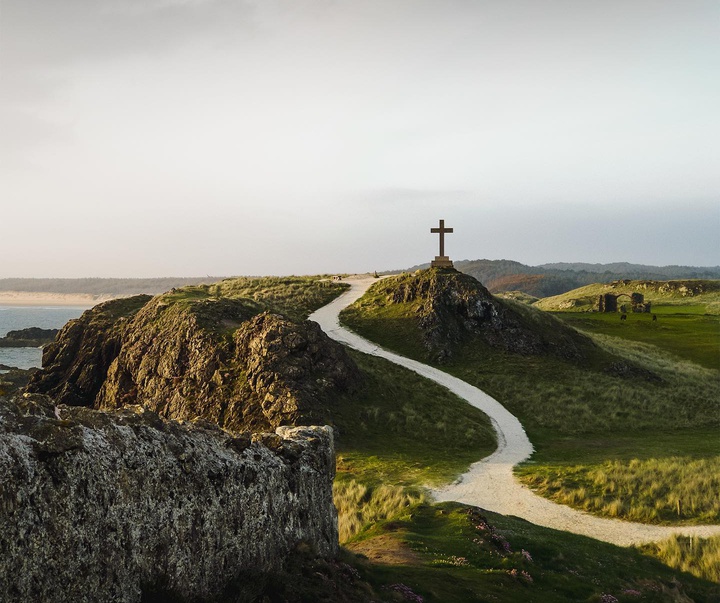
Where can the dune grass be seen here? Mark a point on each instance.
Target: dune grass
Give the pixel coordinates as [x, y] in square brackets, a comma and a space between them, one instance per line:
[581, 416]
[360, 505]
[697, 556]
[294, 296]
[398, 434]
[449, 553]
[667, 490]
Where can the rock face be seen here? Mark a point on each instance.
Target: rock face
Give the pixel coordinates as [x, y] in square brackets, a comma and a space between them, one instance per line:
[128, 507]
[220, 359]
[451, 307]
[75, 364]
[26, 338]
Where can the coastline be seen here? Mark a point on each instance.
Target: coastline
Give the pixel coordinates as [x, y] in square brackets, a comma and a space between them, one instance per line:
[31, 298]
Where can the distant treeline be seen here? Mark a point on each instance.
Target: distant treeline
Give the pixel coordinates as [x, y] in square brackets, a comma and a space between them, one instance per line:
[102, 286]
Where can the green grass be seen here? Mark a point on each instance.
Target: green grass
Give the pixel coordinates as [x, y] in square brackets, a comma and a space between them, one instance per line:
[566, 406]
[465, 556]
[697, 556]
[689, 292]
[294, 296]
[397, 435]
[381, 426]
[681, 330]
[666, 490]
[384, 459]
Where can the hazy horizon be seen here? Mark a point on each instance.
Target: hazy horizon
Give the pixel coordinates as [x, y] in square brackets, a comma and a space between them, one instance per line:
[155, 137]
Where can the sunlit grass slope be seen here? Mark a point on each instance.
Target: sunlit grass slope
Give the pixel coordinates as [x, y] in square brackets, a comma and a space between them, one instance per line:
[293, 296]
[401, 433]
[692, 292]
[685, 331]
[581, 414]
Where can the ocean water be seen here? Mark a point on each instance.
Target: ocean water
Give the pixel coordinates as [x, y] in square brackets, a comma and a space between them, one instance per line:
[22, 317]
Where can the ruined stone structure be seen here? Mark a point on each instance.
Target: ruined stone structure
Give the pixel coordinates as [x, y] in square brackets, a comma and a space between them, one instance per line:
[127, 506]
[608, 302]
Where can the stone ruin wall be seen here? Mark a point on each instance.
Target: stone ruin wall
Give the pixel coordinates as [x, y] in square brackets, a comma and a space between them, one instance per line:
[125, 506]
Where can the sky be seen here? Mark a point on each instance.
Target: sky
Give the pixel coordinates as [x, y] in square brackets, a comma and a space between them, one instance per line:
[144, 138]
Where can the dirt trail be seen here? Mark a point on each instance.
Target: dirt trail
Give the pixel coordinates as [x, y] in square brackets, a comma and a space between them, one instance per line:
[490, 482]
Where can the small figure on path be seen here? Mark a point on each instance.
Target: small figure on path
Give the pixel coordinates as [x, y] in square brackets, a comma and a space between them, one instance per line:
[654, 317]
[623, 317]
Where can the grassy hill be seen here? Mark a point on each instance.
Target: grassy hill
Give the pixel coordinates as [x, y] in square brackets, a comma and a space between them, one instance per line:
[626, 403]
[698, 293]
[403, 432]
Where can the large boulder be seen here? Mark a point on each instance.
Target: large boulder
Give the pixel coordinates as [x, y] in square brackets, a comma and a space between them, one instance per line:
[129, 507]
[225, 360]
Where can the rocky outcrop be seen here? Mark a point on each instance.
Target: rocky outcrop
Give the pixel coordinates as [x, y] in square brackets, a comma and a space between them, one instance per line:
[221, 359]
[76, 363]
[31, 337]
[452, 307]
[128, 507]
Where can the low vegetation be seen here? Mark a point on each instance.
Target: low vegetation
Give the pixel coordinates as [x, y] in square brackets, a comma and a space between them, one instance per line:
[666, 490]
[463, 555]
[613, 406]
[685, 331]
[412, 550]
[397, 435]
[690, 292]
[697, 556]
[294, 296]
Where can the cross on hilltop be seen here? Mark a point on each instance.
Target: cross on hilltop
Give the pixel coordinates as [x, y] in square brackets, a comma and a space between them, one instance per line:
[441, 261]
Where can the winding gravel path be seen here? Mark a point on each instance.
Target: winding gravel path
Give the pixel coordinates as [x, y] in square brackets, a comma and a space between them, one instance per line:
[490, 483]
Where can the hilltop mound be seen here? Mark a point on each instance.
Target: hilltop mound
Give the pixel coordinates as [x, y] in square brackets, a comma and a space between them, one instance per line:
[192, 354]
[445, 308]
[677, 292]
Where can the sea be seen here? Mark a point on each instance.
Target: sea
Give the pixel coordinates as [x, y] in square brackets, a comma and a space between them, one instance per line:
[22, 317]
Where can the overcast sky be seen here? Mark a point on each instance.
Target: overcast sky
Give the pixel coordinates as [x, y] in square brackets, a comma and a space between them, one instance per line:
[194, 137]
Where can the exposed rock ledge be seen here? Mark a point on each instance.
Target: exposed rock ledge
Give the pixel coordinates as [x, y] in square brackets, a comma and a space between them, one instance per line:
[126, 506]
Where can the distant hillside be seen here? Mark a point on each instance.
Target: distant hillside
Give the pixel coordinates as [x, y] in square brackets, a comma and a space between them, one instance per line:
[554, 279]
[675, 292]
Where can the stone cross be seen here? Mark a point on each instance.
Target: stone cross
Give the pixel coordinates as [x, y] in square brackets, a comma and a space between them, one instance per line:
[441, 261]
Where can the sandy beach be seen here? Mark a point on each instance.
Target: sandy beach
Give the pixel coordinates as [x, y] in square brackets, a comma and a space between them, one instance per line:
[30, 298]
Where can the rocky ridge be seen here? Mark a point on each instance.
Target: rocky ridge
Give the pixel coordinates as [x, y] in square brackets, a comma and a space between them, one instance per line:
[129, 507]
[451, 307]
[226, 360]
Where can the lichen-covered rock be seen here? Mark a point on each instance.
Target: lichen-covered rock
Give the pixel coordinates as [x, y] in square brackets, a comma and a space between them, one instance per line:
[452, 307]
[123, 506]
[76, 363]
[294, 370]
[253, 372]
[225, 360]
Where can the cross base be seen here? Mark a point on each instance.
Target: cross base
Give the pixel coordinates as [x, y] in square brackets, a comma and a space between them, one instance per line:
[441, 261]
